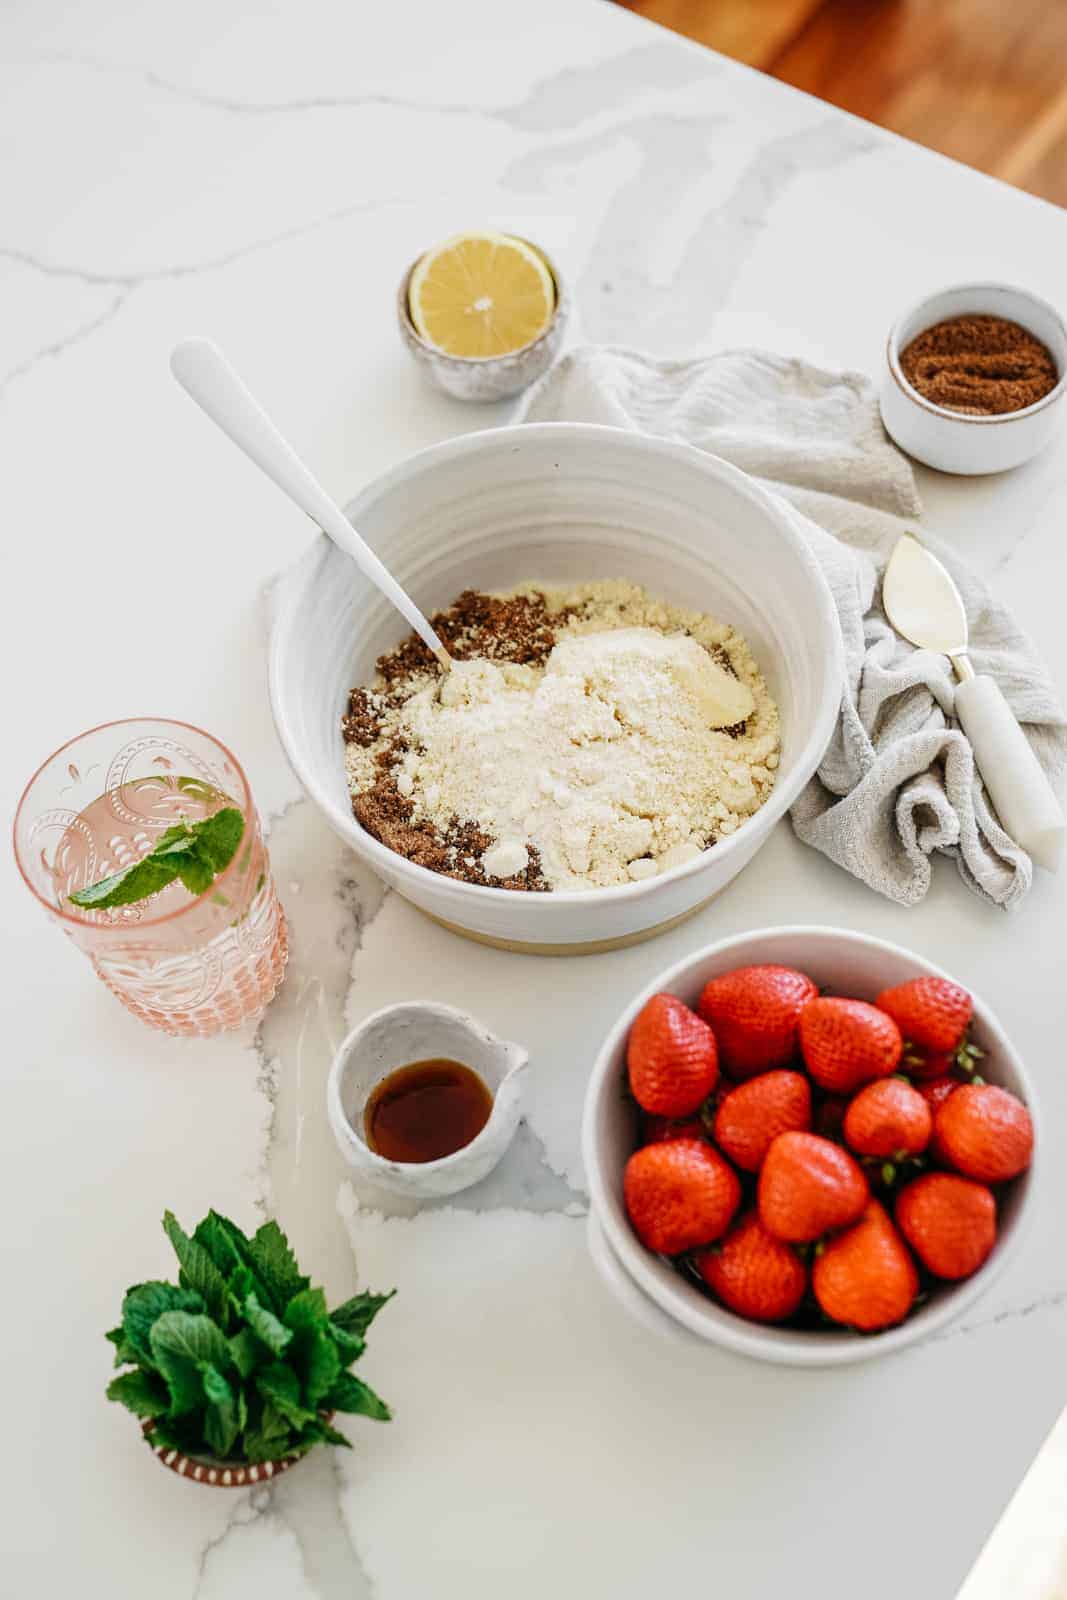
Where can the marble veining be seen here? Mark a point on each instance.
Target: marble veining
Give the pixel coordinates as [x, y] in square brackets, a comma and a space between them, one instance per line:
[266, 180]
[563, 98]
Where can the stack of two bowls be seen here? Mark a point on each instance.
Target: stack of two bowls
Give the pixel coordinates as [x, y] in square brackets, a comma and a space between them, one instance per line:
[672, 1304]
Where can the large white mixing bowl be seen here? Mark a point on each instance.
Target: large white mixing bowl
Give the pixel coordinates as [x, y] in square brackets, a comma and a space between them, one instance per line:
[558, 502]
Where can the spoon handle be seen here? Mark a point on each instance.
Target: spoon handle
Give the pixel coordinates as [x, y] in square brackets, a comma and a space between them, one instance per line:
[206, 375]
[1025, 800]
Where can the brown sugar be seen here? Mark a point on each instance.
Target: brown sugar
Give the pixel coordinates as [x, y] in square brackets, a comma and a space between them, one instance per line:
[980, 365]
[362, 722]
[513, 628]
[455, 853]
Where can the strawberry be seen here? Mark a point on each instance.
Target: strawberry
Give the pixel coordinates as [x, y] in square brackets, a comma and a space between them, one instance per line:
[757, 1111]
[754, 1273]
[829, 1119]
[935, 1091]
[680, 1194]
[932, 1013]
[846, 1043]
[888, 1118]
[654, 1130]
[950, 1222]
[808, 1186]
[671, 1057]
[754, 1012]
[865, 1277]
[984, 1132]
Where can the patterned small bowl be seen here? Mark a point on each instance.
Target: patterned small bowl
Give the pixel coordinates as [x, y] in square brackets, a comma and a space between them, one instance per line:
[222, 1474]
[484, 378]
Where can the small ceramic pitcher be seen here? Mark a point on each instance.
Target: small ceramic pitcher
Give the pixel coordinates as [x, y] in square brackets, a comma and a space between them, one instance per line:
[422, 1031]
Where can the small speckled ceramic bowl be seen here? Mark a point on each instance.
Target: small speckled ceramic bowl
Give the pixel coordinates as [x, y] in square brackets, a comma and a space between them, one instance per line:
[953, 441]
[484, 378]
[422, 1031]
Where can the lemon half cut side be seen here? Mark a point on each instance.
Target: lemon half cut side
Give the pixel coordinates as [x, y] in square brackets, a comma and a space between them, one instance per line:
[479, 295]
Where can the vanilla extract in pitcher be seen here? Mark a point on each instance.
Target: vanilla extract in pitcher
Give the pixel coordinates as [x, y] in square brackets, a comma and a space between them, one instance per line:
[426, 1110]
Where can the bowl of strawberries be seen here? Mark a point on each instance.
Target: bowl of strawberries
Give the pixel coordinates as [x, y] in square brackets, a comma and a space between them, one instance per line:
[807, 1145]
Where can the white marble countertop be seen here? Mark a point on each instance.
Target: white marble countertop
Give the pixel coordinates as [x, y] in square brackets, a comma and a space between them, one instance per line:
[263, 175]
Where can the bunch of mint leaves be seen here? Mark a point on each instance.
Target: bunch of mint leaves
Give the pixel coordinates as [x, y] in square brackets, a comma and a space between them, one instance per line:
[240, 1360]
[195, 852]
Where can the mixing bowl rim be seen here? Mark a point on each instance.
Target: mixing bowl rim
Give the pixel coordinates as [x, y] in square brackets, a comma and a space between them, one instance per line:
[785, 790]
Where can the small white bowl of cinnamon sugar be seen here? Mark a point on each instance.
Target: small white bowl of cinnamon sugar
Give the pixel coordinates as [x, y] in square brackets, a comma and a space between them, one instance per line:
[976, 378]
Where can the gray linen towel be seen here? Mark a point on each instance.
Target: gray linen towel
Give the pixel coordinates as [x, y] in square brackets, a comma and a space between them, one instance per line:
[898, 780]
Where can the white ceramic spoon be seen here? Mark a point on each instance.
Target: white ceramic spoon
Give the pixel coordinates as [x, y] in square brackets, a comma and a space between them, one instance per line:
[924, 605]
[206, 375]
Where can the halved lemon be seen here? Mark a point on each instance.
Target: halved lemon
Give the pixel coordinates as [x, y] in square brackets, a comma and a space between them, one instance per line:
[481, 294]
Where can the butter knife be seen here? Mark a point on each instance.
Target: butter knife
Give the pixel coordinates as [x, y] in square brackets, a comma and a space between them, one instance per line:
[924, 605]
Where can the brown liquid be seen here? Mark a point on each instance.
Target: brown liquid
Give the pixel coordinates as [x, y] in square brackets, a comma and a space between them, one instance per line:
[425, 1111]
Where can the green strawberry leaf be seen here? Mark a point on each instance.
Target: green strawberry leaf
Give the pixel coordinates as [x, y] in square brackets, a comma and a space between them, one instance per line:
[265, 1325]
[349, 1393]
[220, 1422]
[357, 1314]
[140, 1392]
[143, 1305]
[198, 1270]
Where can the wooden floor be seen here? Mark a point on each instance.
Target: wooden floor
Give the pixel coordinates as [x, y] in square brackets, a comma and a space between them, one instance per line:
[984, 81]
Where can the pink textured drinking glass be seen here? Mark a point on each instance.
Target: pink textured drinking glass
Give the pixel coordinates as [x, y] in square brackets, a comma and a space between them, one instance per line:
[189, 964]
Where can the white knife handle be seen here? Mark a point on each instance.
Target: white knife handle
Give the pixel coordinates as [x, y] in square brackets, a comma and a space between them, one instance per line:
[1016, 782]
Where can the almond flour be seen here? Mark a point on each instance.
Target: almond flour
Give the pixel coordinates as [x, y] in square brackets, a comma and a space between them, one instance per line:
[585, 737]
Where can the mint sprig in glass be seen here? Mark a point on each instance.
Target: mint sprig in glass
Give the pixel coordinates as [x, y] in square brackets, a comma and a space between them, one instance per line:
[141, 839]
[194, 852]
